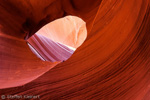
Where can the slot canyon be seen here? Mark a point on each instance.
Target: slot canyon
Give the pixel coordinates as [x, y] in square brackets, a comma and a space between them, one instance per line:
[75, 49]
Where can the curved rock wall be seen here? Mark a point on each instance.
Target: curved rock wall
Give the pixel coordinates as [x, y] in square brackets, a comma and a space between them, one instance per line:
[112, 64]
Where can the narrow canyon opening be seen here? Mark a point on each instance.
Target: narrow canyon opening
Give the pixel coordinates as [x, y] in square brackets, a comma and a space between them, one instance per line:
[59, 39]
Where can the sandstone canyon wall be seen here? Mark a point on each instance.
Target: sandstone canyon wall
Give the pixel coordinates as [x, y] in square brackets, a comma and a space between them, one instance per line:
[112, 64]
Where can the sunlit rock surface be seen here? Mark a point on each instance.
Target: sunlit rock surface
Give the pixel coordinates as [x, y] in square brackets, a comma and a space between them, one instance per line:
[69, 30]
[58, 40]
[112, 64]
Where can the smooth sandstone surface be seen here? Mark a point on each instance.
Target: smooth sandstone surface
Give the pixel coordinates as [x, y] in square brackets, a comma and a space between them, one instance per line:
[70, 31]
[48, 50]
[112, 64]
[58, 40]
